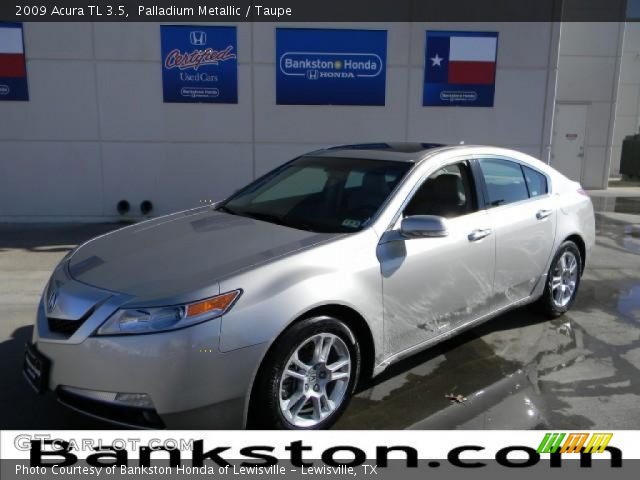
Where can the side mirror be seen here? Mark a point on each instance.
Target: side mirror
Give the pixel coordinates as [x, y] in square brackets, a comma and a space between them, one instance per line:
[423, 226]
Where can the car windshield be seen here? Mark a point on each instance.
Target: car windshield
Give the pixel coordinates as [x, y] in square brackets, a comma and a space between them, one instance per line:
[320, 194]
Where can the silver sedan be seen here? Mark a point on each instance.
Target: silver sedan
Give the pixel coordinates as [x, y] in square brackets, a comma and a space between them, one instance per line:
[268, 308]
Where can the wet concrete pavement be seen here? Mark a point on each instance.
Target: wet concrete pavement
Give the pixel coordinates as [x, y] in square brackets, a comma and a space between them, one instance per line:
[580, 371]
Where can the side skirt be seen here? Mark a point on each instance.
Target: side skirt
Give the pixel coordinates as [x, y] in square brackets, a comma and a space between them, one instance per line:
[396, 357]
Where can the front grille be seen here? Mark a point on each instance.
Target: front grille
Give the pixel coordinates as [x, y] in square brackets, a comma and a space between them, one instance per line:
[68, 327]
[64, 327]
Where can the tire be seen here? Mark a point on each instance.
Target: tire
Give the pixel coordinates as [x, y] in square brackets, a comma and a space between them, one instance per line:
[554, 303]
[318, 399]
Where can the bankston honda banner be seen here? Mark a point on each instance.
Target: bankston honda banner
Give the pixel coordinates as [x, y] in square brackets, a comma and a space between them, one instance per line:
[330, 67]
[460, 68]
[13, 71]
[199, 64]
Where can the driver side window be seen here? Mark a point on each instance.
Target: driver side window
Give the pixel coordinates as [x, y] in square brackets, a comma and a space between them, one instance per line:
[448, 193]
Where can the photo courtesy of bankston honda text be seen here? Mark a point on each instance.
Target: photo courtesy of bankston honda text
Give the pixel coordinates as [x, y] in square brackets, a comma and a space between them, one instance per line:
[268, 308]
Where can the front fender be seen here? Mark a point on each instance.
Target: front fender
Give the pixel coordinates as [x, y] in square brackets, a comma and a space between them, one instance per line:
[343, 272]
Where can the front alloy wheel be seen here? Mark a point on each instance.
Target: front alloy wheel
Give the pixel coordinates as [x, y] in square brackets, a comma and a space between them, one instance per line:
[314, 382]
[308, 376]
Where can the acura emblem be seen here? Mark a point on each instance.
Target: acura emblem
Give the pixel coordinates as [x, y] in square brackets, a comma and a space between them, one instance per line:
[52, 300]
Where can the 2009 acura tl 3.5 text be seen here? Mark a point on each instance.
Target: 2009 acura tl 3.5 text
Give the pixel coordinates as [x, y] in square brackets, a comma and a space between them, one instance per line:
[267, 308]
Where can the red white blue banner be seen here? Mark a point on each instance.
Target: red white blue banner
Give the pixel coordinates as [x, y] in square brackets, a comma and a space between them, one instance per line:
[13, 70]
[460, 68]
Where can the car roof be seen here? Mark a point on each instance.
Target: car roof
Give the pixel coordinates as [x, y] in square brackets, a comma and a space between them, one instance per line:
[411, 152]
[417, 152]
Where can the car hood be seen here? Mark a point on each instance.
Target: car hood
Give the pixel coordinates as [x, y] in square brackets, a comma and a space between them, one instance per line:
[182, 257]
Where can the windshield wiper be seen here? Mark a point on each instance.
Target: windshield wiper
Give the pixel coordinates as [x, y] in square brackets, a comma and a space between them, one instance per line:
[268, 217]
[265, 217]
[225, 209]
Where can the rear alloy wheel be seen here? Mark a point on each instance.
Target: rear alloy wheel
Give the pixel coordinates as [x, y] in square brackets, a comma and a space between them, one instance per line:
[563, 281]
[309, 376]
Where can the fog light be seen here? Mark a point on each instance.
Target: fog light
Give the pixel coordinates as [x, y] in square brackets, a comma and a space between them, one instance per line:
[140, 400]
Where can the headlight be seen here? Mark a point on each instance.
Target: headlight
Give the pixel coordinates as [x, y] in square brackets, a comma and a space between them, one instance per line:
[149, 320]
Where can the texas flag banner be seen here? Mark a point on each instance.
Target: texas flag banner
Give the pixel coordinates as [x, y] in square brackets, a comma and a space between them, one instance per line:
[13, 70]
[460, 68]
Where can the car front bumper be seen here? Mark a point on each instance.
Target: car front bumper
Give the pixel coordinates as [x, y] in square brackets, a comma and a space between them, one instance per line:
[191, 384]
[189, 381]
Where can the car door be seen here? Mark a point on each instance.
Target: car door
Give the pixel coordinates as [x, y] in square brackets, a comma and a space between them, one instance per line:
[524, 222]
[432, 285]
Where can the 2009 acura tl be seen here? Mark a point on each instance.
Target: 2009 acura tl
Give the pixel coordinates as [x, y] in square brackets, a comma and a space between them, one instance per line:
[268, 307]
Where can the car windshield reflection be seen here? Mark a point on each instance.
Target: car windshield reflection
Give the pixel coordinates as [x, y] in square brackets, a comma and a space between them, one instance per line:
[319, 194]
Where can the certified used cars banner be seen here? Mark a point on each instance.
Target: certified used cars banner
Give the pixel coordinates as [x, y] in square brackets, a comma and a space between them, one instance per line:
[411, 454]
[199, 64]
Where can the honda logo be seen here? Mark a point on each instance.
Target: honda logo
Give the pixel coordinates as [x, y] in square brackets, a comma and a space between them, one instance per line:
[198, 38]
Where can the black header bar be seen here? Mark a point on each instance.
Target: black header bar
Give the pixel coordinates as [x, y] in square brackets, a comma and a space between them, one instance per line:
[314, 10]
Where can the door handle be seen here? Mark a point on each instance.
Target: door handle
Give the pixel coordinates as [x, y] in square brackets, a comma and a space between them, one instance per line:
[543, 214]
[479, 234]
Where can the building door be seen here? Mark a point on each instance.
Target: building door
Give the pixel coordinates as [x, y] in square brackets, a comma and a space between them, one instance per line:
[567, 153]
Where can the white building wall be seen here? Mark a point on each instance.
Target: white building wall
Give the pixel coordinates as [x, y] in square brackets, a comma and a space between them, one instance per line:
[627, 120]
[96, 131]
[588, 74]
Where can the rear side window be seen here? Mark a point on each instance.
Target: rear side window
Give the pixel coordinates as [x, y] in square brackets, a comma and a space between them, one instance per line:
[536, 182]
[504, 180]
